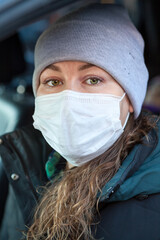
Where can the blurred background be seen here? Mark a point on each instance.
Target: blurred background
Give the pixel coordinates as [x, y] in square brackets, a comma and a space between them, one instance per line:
[21, 23]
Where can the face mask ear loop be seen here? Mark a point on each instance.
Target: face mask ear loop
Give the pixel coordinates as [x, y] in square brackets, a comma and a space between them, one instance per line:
[122, 96]
[128, 114]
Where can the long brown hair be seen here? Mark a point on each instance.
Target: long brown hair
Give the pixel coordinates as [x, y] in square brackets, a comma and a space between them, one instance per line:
[68, 207]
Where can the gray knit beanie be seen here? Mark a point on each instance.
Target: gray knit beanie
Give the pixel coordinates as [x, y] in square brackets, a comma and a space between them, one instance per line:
[103, 35]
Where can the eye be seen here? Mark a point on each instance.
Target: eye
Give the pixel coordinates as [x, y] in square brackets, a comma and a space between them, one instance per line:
[93, 81]
[53, 82]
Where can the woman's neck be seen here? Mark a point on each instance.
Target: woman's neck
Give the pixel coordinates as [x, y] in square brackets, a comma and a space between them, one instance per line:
[69, 165]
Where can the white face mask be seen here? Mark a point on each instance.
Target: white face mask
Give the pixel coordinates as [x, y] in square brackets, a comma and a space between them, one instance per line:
[79, 126]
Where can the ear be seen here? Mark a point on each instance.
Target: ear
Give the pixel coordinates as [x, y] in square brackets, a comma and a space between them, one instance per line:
[131, 108]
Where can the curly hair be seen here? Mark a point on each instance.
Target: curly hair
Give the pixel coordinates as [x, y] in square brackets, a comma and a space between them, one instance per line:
[69, 207]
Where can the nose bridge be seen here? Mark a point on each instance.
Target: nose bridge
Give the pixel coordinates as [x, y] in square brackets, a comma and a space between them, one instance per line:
[72, 83]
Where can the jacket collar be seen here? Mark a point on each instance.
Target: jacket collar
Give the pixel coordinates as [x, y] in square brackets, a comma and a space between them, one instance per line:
[139, 173]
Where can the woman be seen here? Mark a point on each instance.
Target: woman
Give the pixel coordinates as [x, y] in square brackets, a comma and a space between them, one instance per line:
[90, 81]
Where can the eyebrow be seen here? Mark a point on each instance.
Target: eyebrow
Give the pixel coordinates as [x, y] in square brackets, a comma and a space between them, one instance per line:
[53, 67]
[86, 66]
[81, 68]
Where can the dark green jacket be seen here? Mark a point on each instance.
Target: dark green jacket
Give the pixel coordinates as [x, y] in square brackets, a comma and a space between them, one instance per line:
[130, 201]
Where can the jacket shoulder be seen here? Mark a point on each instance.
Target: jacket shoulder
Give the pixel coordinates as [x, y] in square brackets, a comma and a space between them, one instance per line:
[24, 147]
[24, 153]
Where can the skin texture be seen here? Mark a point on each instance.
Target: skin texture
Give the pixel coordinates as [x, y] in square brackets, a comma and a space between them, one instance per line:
[81, 77]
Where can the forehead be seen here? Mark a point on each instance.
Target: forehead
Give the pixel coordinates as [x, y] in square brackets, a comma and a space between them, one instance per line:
[73, 64]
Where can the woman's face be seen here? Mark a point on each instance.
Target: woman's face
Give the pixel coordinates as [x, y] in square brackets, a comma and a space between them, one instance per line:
[81, 77]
